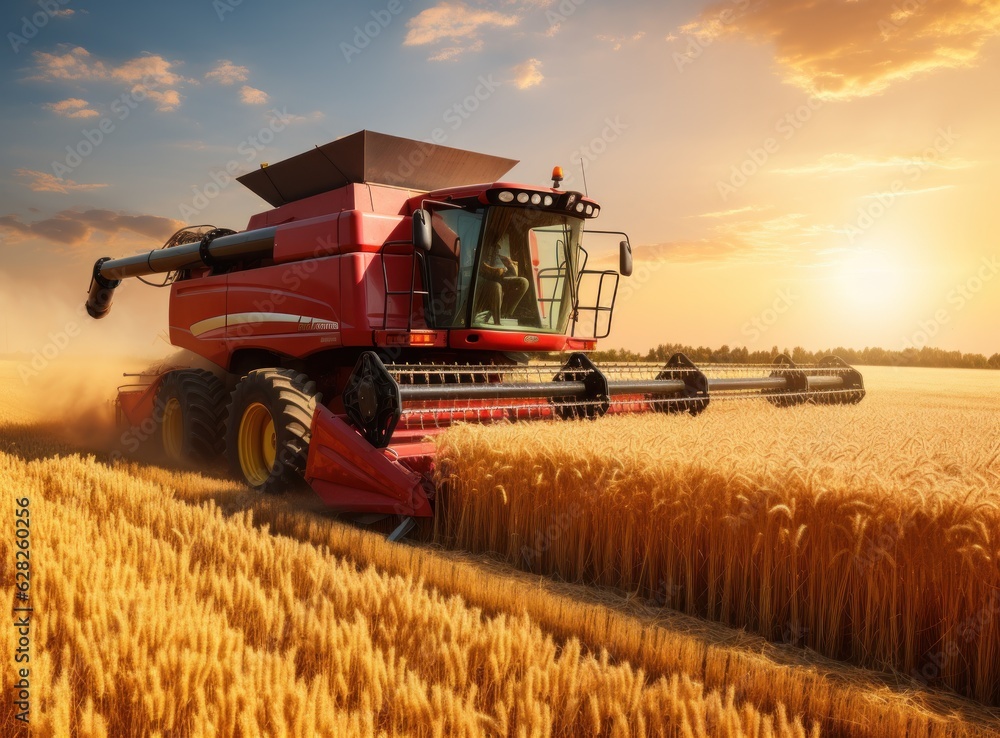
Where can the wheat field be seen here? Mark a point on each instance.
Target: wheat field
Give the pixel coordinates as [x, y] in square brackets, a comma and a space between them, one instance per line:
[868, 533]
[179, 603]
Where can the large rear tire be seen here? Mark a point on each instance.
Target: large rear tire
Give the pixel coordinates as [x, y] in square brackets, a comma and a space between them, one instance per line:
[190, 406]
[268, 428]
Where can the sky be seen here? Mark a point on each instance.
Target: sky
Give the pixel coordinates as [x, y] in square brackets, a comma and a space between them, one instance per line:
[812, 173]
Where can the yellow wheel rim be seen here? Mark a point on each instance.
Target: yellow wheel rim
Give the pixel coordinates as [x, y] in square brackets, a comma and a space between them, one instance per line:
[258, 444]
[173, 430]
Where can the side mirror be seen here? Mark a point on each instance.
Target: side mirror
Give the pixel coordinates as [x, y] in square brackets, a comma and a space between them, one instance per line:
[422, 230]
[625, 259]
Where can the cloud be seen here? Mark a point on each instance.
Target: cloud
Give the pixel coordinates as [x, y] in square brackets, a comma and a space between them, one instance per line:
[45, 182]
[786, 238]
[252, 96]
[76, 63]
[730, 213]
[227, 73]
[528, 74]
[166, 101]
[686, 251]
[313, 117]
[152, 73]
[837, 49]
[848, 163]
[73, 227]
[906, 193]
[618, 42]
[72, 107]
[456, 24]
[447, 53]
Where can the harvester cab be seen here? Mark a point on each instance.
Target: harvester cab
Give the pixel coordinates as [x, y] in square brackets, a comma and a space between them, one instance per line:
[383, 298]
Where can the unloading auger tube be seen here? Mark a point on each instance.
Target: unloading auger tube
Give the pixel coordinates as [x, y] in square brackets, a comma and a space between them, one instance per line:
[378, 397]
[217, 246]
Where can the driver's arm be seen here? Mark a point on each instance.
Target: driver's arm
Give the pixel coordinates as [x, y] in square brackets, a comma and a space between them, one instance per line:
[509, 264]
[488, 270]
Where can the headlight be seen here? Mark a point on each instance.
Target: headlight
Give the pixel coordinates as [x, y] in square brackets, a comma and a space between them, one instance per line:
[547, 202]
[522, 197]
[536, 199]
[579, 207]
[506, 196]
[590, 210]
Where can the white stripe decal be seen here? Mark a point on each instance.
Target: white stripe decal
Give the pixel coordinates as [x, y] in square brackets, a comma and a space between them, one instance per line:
[204, 326]
[305, 322]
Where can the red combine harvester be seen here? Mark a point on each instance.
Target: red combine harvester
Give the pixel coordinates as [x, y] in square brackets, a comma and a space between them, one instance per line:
[383, 298]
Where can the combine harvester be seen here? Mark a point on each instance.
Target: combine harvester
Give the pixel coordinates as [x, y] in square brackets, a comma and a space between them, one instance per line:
[383, 298]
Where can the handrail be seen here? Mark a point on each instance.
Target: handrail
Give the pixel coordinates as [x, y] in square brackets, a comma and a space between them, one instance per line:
[413, 291]
[598, 308]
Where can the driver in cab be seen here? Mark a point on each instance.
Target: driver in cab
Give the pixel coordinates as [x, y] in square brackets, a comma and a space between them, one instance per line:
[500, 287]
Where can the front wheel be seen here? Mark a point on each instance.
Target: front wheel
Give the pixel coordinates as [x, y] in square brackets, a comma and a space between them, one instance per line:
[268, 429]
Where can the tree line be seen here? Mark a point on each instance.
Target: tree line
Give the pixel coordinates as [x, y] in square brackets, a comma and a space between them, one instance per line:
[869, 356]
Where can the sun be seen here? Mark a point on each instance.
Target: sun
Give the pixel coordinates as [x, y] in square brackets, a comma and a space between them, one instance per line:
[868, 281]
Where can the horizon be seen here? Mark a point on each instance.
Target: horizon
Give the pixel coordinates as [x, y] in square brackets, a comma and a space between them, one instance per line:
[816, 175]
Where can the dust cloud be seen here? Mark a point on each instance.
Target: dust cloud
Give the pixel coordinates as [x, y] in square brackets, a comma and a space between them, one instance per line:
[73, 398]
[61, 368]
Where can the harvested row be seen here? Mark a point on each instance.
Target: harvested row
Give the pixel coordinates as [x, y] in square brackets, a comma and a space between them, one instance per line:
[870, 534]
[152, 615]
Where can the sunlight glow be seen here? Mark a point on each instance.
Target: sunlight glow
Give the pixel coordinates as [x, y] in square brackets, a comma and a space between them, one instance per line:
[869, 282]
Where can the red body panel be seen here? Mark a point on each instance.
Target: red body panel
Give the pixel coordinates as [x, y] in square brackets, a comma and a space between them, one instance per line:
[196, 300]
[364, 197]
[308, 239]
[135, 403]
[505, 340]
[286, 308]
[349, 474]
